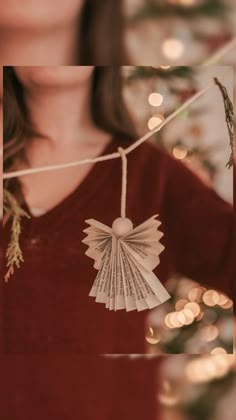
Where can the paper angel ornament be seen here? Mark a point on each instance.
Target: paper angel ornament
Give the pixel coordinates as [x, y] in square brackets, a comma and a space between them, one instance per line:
[125, 257]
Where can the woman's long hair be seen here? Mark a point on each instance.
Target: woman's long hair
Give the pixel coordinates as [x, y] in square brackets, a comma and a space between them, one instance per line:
[101, 34]
[107, 107]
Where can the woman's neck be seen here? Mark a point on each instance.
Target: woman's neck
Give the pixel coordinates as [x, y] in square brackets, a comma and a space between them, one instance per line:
[24, 47]
[60, 114]
[63, 117]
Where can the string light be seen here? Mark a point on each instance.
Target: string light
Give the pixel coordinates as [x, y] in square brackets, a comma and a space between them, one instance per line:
[168, 396]
[194, 308]
[167, 322]
[174, 320]
[211, 298]
[161, 67]
[152, 337]
[182, 317]
[208, 368]
[180, 152]
[223, 299]
[187, 2]
[180, 304]
[173, 48]
[200, 316]
[186, 317]
[209, 333]
[183, 2]
[228, 304]
[155, 99]
[195, 294]
[155, 120]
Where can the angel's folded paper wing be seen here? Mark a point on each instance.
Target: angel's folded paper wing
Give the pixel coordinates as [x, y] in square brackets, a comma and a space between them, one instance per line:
[150, 223]
[98, 240]
[150, 287]
[97, 226]
[144, 243]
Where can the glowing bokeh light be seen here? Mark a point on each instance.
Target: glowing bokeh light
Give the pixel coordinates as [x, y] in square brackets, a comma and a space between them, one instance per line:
[173, 48]
[152, 337]
[155, 99]
[180, 152]
[155, 120]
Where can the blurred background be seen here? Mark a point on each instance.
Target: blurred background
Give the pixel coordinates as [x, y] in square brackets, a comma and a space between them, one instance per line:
[198, 388]
[201, 384]
[178, 32]
[198, 322]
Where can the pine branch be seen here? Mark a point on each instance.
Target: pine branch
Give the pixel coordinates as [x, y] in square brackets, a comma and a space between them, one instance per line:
[229, 117]
[14, 254]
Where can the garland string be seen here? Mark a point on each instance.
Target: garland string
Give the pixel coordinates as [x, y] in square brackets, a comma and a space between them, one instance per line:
[124, 181]
[220, 53]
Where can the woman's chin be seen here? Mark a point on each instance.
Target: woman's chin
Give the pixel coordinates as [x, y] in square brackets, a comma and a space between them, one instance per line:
[37, 18]
[53, 76]
[25, 22]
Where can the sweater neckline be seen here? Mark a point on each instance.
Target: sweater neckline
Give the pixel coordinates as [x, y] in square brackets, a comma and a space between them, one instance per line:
[85, 188]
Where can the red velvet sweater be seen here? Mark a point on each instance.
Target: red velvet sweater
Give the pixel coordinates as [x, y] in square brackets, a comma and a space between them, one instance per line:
[46, 307]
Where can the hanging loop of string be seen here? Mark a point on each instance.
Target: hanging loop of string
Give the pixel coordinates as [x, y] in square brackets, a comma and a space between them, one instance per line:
[124, 182]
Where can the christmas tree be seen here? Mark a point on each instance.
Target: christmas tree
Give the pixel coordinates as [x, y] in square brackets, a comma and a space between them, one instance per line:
[179, 31]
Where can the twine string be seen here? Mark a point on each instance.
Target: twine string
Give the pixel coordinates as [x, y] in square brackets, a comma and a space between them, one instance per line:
[122, 153]
[220, 53]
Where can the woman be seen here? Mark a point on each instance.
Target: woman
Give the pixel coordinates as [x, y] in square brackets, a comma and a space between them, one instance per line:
[65, 32]
[53, 115]
[58, 386]
[58, 114]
